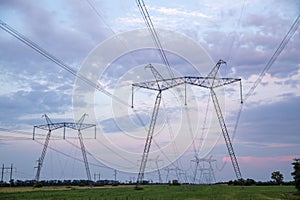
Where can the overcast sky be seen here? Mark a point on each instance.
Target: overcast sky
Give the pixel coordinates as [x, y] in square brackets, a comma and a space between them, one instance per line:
[81, 33]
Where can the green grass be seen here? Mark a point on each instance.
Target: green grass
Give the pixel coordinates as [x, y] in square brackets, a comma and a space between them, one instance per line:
[152, 192]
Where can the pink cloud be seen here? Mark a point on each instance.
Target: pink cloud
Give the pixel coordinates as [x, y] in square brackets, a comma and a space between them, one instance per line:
[266, 144]
[262, 160]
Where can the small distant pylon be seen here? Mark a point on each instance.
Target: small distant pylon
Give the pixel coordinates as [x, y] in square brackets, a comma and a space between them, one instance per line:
[207, 175]
[10, 169]
[50, 126]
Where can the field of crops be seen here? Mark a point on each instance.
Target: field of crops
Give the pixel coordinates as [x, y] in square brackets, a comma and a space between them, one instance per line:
[152, 192]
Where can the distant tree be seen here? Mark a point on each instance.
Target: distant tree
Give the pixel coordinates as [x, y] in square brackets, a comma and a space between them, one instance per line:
[175, 182]
[296, 173]
[239, 182]
[11, 182]
[250, 181]
[277, 177]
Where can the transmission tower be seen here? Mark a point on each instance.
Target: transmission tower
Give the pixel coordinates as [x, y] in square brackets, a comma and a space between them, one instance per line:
[97, 175]
[211, 81]
[205, 166]
[50, 126]
[10, 169]
[169, 169]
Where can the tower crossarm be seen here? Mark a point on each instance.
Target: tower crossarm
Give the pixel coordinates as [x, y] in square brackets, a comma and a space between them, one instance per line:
[224, 81]
[70, 125]
[50, 125]
[82, 126]
[163, 84]
[205, 82]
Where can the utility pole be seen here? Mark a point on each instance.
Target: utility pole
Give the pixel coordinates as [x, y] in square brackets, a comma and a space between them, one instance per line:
[10, 173]
[2, 173]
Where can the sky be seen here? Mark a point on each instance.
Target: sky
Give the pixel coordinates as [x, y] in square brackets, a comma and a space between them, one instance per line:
[108, 43]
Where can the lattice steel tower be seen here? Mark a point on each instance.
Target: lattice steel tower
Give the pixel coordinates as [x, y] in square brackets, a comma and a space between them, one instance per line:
[211, 81]
[50, 126]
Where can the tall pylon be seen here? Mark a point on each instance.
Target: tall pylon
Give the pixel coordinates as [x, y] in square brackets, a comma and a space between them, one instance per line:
[211, 81]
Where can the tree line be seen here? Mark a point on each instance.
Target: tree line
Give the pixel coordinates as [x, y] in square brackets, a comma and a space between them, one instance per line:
[32, 183]
[276, 176]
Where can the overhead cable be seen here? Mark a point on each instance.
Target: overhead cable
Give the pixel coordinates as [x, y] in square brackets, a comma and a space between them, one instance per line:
[278, 51]
[56, 60]
[149, 24]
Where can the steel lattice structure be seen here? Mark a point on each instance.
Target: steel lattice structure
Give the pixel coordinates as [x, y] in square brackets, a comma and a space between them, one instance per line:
[211, 81]
[211, 175]
[50, 126]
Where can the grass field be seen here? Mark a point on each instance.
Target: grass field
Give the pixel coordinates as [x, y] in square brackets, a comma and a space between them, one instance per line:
[152, 192]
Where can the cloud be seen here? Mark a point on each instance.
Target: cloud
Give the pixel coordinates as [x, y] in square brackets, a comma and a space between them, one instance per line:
[254, 160]
[274, 123]
[266, 145]
[129, 20]
[32, 85]
[131, 122]
[178, 12]
[20, 104]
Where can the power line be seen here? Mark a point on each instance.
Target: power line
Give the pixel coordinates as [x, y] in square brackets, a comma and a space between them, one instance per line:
[99, 160]
[14, 138]
[19, 132]
[237, 28]
[60, 63]
[98, 13]
[203, 127]
[69, 156]
[149, 24]
[56, 60]
[147, 19]
[269, 64]
[15, 131]
[278, 51]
